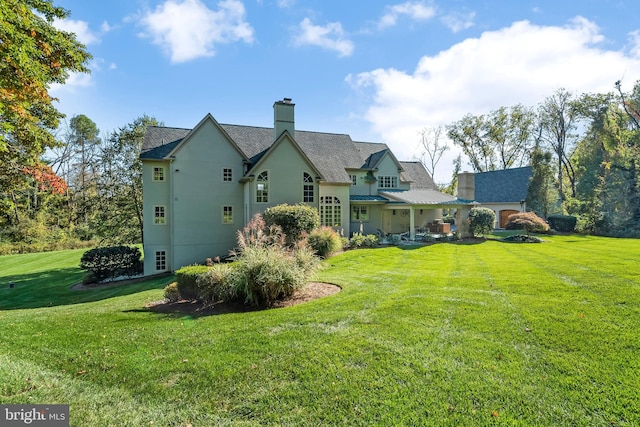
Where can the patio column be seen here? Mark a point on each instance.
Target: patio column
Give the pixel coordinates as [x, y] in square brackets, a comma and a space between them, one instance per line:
[412, 224]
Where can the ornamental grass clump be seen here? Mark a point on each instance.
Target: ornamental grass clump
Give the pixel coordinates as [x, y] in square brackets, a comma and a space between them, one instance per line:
[325, 241]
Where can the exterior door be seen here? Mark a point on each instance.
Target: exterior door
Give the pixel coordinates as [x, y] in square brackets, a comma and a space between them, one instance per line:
[504, 216]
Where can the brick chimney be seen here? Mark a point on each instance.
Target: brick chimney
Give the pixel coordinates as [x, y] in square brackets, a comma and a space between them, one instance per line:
[283, 117]
[466, 185]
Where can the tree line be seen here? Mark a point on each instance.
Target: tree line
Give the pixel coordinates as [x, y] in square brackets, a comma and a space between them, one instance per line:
[584, 151]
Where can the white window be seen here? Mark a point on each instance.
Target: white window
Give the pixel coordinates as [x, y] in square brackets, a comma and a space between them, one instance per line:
[330, 211]
[262, 187]
[227, 214]
[307, 188]
[159, 216]
[158, 173]
[227, 175]
[387, 182]
[360, 213]
[161, 260]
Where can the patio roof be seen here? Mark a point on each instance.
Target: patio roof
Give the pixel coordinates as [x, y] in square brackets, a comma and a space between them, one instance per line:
[424, 197]
[364, 198]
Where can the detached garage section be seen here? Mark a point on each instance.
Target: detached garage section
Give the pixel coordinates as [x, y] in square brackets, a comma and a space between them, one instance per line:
[503, 191]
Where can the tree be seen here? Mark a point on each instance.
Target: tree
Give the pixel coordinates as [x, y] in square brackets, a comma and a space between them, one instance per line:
[500, 140]
[541, 194]
[119, 217]
[33, 55]
[432, 148]
[559, 115]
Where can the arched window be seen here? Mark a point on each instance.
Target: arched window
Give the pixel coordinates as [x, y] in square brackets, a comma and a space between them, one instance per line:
[330, 211]
[262, 187]
[307, 188]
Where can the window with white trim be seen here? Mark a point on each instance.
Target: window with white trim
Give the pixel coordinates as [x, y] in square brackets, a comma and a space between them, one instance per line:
[307, 188]
[387, 182]
[159, 216]
[158, 173]
[330, 211]
[227, 174]
[227, 214]
[161, 260]
[360, 213]
[354, 179]
[262, 187]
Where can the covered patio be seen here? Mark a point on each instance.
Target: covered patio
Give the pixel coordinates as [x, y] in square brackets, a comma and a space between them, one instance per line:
[418, 205]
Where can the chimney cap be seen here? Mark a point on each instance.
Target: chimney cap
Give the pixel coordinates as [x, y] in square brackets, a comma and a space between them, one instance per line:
[287, 100]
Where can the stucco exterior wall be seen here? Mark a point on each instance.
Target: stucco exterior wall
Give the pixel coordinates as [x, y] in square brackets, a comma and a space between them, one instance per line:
[157, 237]
[286, 167]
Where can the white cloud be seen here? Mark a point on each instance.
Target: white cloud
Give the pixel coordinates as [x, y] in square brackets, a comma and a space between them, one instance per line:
[188, 29]
[330, 37]
[416, 11]
[457, 22]
[284, 4]
[80, 28]
[523, 63]
[634, 39]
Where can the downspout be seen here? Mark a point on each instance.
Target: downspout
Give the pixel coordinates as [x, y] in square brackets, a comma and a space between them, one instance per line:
[171, 215]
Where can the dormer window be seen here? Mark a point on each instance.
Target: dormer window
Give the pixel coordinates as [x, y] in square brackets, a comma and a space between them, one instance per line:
[387, 182]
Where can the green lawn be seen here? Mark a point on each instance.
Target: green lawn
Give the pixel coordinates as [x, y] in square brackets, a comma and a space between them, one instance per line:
[450, 334]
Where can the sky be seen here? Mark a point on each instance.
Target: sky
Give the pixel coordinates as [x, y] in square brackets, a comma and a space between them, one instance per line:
[380, 71]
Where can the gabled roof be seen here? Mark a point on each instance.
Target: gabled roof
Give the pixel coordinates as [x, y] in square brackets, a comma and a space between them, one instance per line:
[285, 136]
[331, 154]
[509, 185]
[417, 175]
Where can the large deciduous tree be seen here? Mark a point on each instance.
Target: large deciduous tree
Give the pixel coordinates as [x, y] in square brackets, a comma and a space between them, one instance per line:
[33, 55]
[499, 140]
[433, 147]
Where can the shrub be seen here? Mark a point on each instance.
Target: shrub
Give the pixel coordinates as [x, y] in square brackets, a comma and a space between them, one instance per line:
[186, 279]
[324, 241]
[481, 221]
[265, 275]
[112, 261]
[294, 220]
[528, 221]
[216, 284]
[171, 292]
[566, 223]
[363, 241]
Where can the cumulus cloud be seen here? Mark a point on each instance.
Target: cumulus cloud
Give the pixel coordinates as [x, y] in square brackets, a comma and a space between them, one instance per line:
[188, 29]
[634, 39]
[80, 28]
[330, 37]
[523, 63]
[416, 11]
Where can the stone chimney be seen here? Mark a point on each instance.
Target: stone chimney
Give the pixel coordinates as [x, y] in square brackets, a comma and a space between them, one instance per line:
[283, 117]
[466, 185]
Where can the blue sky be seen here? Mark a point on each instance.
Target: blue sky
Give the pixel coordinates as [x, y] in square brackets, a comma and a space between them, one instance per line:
[380, 71]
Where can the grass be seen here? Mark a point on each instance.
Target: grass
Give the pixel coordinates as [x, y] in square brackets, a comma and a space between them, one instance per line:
[448, 334]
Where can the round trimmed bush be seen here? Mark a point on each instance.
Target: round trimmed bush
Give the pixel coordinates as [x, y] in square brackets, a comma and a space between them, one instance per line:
[481, 221]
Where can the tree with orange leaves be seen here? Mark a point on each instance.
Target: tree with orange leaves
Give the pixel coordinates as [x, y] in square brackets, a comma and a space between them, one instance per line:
[33, 55]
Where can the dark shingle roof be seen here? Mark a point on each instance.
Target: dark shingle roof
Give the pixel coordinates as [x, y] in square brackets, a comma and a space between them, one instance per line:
[509, 185]
[159, 141]
[332, 154]
[415, 173]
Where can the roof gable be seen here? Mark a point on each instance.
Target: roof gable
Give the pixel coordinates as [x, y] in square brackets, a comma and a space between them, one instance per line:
[284, 137]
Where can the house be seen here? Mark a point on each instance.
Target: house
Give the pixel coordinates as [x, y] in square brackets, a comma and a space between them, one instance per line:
[504, 191]
[201, 185]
